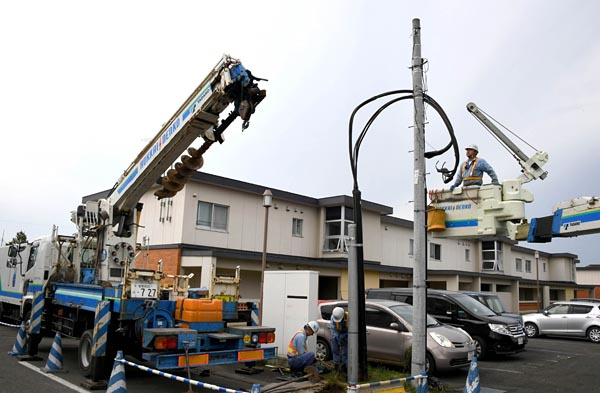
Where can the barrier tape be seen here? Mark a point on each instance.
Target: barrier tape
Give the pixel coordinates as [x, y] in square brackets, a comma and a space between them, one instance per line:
[178, 378]
[389, 382]
[9, 325]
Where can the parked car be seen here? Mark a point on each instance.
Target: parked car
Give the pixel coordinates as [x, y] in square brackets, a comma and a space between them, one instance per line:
[492, 333]
[585, 299]
[494, 303]
[389, 336]
[568, 318]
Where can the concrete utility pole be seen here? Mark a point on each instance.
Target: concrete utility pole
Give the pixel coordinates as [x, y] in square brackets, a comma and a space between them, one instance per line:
[353, 333]
[419, 346]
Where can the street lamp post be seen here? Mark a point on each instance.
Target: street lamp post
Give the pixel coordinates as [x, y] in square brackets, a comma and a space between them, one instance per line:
[537, 278]
[267, 202]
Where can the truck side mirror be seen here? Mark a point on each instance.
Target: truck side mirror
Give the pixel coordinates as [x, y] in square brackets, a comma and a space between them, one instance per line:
[12, 251]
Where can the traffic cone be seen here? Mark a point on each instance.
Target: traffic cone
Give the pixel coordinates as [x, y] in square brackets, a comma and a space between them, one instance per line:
[20, 343]
[472, 385]
[54, 363]
[422, 384]
[116, 383]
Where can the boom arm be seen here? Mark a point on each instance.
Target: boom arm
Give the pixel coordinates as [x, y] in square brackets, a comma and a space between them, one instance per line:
[575, 217]
[229, 82]
[532, 167]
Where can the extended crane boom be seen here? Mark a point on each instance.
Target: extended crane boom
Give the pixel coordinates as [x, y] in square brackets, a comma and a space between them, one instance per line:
[228, 82]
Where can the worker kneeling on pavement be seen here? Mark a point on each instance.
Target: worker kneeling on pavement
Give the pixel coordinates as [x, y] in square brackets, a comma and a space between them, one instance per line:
[298, 355]
[339, 337]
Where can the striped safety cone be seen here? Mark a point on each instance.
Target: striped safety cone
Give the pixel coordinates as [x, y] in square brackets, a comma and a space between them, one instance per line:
[422, 384]
[116, 383]
[55, 362]
[472, 384]
[20, 347]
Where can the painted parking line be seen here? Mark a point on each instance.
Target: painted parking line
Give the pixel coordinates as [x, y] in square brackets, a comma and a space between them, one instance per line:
[54, 378]
[501, 370]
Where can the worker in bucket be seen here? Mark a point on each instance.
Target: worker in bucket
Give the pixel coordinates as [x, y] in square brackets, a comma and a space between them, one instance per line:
[471, 171]
[298, 354]
[339, 338]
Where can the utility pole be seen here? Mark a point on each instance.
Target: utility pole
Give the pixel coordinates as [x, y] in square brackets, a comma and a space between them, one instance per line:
[419, 345]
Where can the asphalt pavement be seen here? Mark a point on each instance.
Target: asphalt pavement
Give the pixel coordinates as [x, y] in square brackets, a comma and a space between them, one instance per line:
[549, 364]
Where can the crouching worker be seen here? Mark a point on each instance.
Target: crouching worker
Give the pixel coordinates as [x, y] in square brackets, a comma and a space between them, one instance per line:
[298, 355]
[339, 338]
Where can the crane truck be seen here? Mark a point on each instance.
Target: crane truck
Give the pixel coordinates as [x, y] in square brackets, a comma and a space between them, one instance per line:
[488, 210]
[87, 286]
[499, 210]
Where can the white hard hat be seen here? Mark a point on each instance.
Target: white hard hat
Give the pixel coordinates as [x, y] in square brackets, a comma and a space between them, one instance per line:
[338, 314]
[474, 147]
[314, 326]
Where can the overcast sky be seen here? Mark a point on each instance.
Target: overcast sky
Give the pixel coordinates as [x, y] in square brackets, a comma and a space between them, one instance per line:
[85, 85]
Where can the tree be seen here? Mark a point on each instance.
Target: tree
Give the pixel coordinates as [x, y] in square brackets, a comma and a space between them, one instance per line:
[20, 238]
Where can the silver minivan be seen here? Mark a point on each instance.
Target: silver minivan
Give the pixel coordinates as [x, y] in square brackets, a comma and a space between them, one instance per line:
[568, 318]
[389, 336]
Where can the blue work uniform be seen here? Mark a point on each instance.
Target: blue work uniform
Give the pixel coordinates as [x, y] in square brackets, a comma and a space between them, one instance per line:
[298, 355]
[339, 340]
[471, 173]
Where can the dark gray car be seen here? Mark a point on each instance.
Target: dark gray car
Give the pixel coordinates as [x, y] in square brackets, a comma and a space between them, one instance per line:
[389, 336]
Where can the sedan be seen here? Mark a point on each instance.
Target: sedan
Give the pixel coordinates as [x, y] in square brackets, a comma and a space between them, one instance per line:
[389, 336]
[572, 318]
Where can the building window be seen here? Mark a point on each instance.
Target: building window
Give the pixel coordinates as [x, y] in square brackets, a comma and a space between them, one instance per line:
[491, 256]
[297, 227]
[337, 219]
[212, 216]
[435, 251]
[411, 247]
[519, 264]
[544, 266]
[527, 266]
[468, 254]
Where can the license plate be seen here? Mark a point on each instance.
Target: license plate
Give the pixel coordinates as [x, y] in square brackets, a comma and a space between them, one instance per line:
[144, 290]
[470, 355]
[520, 340]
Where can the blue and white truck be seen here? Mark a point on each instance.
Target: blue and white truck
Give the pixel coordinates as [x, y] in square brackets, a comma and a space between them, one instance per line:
[87, 286]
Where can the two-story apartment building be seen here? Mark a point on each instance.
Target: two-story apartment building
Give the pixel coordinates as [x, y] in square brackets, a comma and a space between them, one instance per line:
[216, 224]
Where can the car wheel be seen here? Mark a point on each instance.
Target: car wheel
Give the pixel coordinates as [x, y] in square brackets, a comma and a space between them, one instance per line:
[593, 334]
[531, 330]
[429, 364]
[323, 350]
[480, 347]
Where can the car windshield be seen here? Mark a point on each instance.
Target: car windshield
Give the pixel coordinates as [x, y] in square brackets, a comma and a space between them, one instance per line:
[494, 303]
[406, 312]
[474, 306]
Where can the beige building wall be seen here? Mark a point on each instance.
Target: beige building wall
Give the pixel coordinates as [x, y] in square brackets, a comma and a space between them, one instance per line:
[588, 277]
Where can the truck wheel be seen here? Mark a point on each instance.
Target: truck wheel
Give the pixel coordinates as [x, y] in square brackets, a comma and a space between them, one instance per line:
[33, 340]
[480, 347]
[95, 368]
[84, 353]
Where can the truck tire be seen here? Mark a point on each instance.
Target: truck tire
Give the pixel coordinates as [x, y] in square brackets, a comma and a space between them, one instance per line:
[84, 353]
[33, 340]
[96, 368]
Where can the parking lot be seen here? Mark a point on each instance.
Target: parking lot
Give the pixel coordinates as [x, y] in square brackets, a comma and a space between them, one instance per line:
[548, 365]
